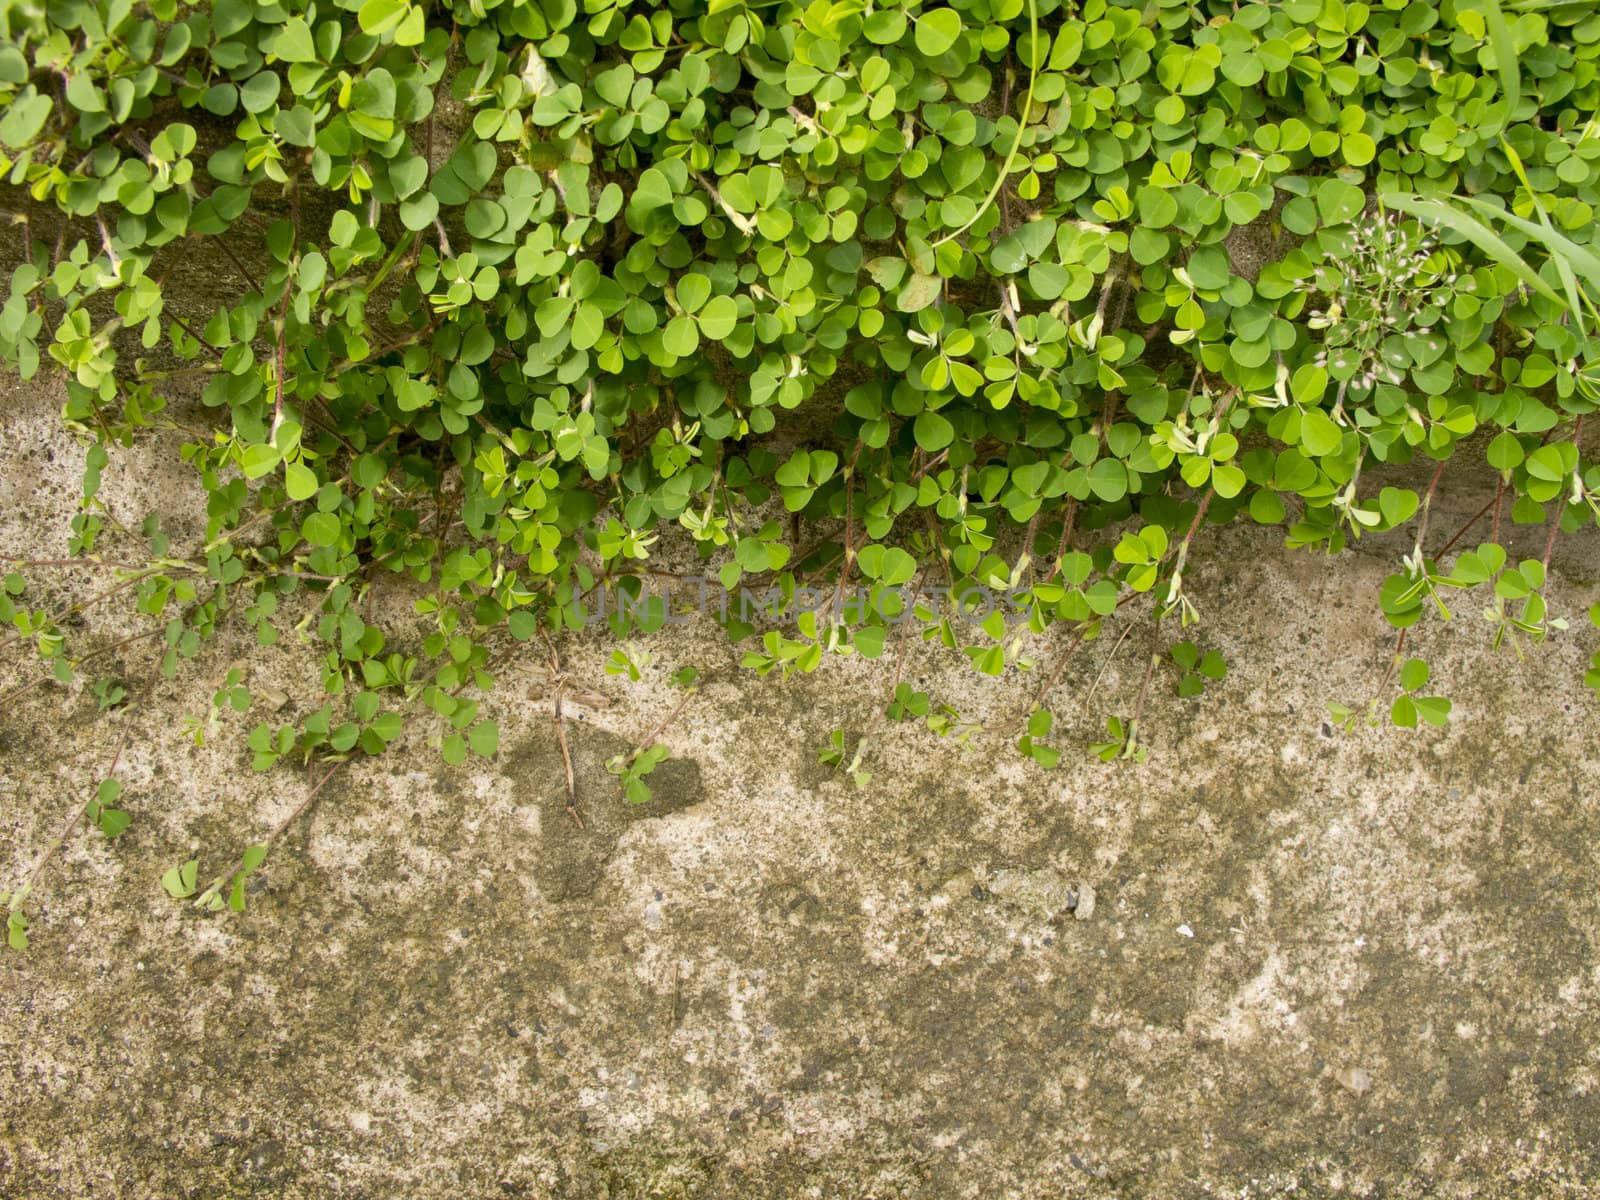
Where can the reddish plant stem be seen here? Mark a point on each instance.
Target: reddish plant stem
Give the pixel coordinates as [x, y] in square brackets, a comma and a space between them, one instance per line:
[62, 614]
[249, 277]
[1026, 561]
[72, 826]
[1194, 525]
[283, 319]
[282, 827]
[1550, 542]
[821, 568]
[1182, 557]
[1078, 639]
[661, 727]
[559, 680]
[899, 665]
[929, 465]
[184, 325]
[19, 692]
[28, 564]
[1068, 524]
[1149, 674]
[1044, 691]
[1394, 661]
[899, 652]
[937, 543]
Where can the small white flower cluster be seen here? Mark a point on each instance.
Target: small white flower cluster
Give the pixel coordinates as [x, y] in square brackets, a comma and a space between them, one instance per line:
[1389, 279]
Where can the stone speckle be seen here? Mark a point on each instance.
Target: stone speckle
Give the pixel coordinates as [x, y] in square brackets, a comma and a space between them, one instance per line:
[1084, 909]
[1355, 1080]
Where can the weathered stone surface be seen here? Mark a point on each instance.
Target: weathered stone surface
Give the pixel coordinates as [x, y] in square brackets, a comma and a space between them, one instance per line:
[574, 862]
[783, 985]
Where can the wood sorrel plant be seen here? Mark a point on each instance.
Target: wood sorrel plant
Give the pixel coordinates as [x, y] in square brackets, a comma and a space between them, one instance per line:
[503, 293]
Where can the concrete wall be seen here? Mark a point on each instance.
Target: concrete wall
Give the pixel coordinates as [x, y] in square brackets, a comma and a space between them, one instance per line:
[1315, 964]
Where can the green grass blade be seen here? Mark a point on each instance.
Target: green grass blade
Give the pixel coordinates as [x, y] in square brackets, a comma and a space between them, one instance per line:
[1505, 55]
[1435, 212]
[1548, 237]
[1562, 248]
[1546, 5]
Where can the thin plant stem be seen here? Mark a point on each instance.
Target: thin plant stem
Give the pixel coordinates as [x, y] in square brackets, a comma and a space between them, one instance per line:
[1560, 501]
[1049, 684]
[1474, 519]
[85, 560]
[282, 827]
[1427, 507]
[559, 680]
[71, 827]
[1175, 582]
[18, 692]
[1394, 661]
[1149, 674]
[62, 614]
[899, 653]
[849, 537]
[1068, 526]
[661, 727]
[1105, 666]
[249, 276]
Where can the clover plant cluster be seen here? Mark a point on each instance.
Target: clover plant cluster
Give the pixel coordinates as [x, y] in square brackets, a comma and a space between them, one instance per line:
[504, 297]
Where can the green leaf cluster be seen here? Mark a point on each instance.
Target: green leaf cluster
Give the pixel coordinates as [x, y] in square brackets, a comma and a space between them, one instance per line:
[1010, 293]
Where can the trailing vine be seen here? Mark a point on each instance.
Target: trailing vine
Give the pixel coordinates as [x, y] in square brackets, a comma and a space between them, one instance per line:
[848, 295]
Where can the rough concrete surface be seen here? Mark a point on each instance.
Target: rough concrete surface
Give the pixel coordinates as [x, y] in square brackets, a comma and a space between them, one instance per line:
[1312, 964]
